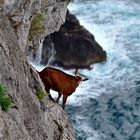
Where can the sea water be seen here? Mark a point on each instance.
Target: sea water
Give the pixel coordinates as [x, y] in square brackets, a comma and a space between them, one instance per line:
[107, 107]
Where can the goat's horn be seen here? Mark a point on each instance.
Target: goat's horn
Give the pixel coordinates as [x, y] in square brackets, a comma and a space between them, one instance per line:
[85, 77]
[76, 72]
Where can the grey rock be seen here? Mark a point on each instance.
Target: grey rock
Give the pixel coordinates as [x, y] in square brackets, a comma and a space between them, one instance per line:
[55, 14]
[26, 118]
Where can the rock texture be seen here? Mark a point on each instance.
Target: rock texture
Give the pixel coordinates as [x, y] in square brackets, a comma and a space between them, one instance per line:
[74, 46]
[27, 119]
[55, 13]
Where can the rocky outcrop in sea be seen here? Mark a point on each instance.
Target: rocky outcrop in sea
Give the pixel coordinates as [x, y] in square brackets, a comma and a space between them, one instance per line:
[74, 46]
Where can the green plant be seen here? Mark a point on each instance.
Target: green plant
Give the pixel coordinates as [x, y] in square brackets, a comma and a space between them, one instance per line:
[37, 26]
[41, 94]
[5, 100]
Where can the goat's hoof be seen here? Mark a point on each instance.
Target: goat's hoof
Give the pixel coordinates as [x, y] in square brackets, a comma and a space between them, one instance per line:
[52, 100]
[51, 104]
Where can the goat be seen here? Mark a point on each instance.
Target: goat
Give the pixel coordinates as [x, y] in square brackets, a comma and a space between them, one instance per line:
[61, 82]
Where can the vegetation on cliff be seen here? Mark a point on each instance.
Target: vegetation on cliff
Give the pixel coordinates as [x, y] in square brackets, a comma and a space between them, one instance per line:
[37, 26]
[5, 100]
[41, 94]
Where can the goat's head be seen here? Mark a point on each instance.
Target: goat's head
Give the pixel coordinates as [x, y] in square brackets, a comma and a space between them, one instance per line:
[79, 76]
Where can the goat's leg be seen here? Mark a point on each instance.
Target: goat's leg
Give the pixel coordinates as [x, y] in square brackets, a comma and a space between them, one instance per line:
[48, 91]
[51, 98]
[64, 101]
[59, 95]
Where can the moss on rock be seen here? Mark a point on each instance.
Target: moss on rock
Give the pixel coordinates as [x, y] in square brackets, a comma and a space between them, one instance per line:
[41, 94]
[5, 100]
[37, 26]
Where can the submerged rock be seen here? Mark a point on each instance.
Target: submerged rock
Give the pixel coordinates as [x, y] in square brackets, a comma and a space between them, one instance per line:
[74, 46]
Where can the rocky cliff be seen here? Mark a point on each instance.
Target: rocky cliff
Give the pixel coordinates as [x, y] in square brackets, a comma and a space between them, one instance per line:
[27, 118]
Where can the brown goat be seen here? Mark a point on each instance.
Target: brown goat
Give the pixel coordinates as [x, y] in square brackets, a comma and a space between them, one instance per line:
[61, 82]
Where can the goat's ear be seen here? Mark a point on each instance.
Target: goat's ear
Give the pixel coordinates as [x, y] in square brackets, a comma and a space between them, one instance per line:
[85, 79]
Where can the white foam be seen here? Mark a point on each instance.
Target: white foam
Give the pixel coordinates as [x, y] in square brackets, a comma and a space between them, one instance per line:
[39, 52]
[38, 67]
[91, 134]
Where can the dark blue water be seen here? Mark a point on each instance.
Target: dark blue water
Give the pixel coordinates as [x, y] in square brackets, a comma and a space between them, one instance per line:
[107, 107]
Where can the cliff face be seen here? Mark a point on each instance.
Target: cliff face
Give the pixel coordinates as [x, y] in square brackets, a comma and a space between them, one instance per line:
[27, 118]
